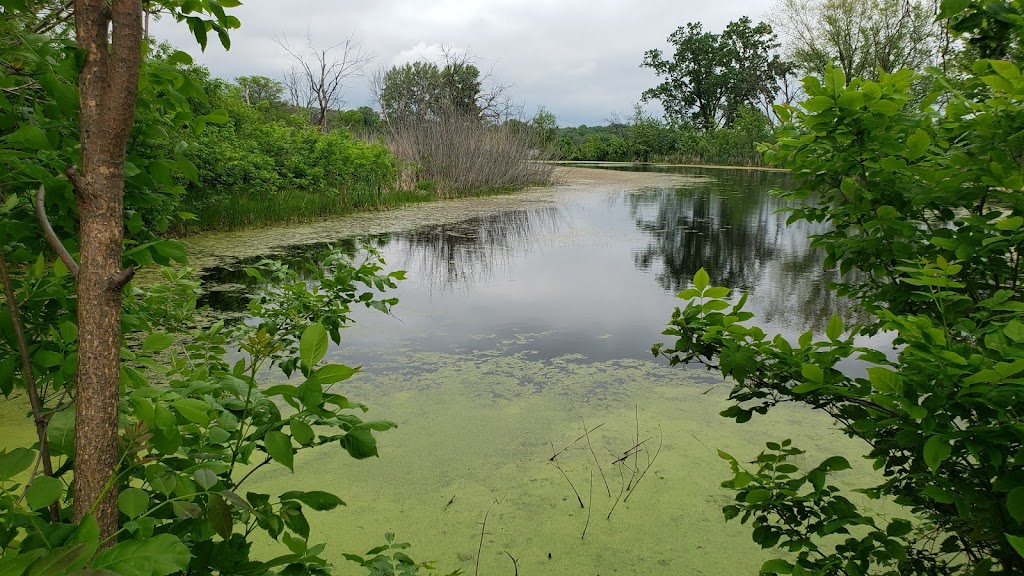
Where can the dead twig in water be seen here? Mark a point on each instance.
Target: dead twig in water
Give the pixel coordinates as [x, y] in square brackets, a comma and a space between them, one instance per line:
[515, 562]
[449, 503]
[596, 461]
[629, 452]
[483, 528]
[590, 506]
[585, 435]
[622, 488]
[649, 464]
[566, 476]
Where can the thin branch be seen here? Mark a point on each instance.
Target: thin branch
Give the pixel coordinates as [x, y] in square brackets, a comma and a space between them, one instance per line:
[51, 236]
[649, 464]
[590, 507]
[515, 562]
[30, 382]
[250, 473]
[585, 433]
[566, 476]
[596, 460]
[483, 528]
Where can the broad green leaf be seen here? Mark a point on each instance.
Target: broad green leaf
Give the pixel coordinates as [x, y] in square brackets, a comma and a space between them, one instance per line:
[60, 560]
[716, 292]
[219, 514]
[157, 341]
[776, 566]
[1017, 542]
[193, 409]
[885, 381]
[701, 279]
[205, 478]
[302, 432]
[15, 462]
[757, 496]
[11, 565]
[936, 449]
[333, 373]
[1015, 503]
[133, 502]
[360, 443]
[917, 144]
[160, 555]
[812, 372]
[835, 328]
[317, 500]
[7, 375]
[279, 446]
[313, 344]
[1010, 224]
[43, 491]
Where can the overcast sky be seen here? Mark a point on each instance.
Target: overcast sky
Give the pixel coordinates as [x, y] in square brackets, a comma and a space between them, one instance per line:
[578, 58]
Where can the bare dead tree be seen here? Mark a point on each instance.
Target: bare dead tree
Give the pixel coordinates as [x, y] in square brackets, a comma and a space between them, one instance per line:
[324, 71]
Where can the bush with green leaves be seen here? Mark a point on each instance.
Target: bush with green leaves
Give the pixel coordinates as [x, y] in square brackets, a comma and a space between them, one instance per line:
[926, 214]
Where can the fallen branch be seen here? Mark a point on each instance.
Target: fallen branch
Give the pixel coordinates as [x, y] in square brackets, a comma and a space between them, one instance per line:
[585, 435]
[598, 462]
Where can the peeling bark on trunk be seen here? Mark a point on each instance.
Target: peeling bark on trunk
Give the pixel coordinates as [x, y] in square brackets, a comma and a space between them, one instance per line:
[111, 33]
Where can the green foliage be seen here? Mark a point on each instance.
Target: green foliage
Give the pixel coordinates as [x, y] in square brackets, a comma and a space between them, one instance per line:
[860, 37]
[198, 418]
[924, 203]
[425, 91]
[647, 139]
[711, 77]
[390, 560]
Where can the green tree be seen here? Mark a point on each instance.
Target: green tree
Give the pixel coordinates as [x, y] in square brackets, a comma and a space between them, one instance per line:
[927, 226]
[260, 89]
[859, 37]
[710, 77]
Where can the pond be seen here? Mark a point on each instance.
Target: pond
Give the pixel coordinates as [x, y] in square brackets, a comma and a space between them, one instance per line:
[525, 318]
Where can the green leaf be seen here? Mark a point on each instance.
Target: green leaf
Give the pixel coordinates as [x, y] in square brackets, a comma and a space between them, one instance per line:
[1017, 542]
[161, 555]
[885, 381]
[716, 292]
[317, 500]
[133, 502]
[313, 344]
[219, 514]
[918, 144]
[206, 478]
[812, 372]
[936, 449]
[333, 373]
[279, 446]
[15, 462]
[776, 566]
[7, 375]
[757, 496]
[11, 565]
[193, 409]
[360, 443]
[701, 279]
[835, 328]
[43, 491]
[1010, 224]
[1015, 503]
[31, 136]
[61, 560]
[302, 432]
[157, 341]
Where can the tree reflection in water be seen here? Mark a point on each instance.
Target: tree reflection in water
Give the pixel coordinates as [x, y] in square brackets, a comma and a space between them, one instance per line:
[732, 226]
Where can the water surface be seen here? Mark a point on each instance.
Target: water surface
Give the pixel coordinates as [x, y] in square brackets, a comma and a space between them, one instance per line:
[524, 316]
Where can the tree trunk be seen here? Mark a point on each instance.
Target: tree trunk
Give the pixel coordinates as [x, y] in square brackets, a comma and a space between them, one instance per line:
[111, 35]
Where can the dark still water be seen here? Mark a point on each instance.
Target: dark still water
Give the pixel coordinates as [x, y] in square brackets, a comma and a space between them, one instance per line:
[523, 317]
[589, 272]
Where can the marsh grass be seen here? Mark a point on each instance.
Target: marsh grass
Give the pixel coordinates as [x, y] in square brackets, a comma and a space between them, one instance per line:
[249, 209]
[460, 155]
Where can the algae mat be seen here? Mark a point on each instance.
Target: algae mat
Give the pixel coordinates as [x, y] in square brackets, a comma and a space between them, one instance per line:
[476, 434]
